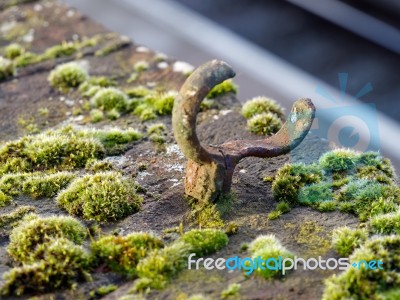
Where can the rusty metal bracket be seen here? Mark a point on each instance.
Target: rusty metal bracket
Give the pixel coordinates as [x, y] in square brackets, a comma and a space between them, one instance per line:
[209, 170]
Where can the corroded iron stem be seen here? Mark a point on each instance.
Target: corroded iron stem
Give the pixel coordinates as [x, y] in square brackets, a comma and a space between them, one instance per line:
[209, 170]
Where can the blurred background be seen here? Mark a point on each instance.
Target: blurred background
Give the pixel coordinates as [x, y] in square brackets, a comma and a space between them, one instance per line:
[344, 55]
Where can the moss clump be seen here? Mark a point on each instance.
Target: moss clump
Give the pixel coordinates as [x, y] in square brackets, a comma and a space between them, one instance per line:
[315, 193]
[275, 214]
[60, 264]
[153, 104]
[161, 265]
[95, 166]
[338, 160]
[4, 199]
[26, 59]
[232, 290]
[362, 283]
[102, 197]
[387, 223]
[141, 66]
[138, 92]
[205, 241]
[7, 68]
[264, 124]
[61, 50]
[96, 115]
[13, 50]
[223, 88]
[358, 183]
[113, 114]
[327, 206]
[15, 215]
[64, 148]
[47, 185]
[115, 139]
[268, 247]
[26, 238]
[369, 198]
[291, 178]
[156, 133]
[259, 105]
[110, 98]
[345, 240]
[103, 290]
[68, 75]
[11, 184]
[123, 253]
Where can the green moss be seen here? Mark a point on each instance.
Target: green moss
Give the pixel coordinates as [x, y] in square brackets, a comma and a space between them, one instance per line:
[11, 184]
[275, 214]
[15, 215]
[327, 206]
[315, 193]
[138, 92]
[133, 77]
[113, 114]
[264, 124]
[207, 216]
[161, 265]
[95, 166]
[115, 137]
[60, 264]
[64, 148]
[26, 238]
[96, 115]
[345, 240]
[339, 160]
[110, 98]
[266, 247]
[26, 59]
[225, 87]
[392, 294]
[103, 290]
[164, 103]
[145, 112]
[387, 223]
[259, 105]
[13, 50]
[122, 253]
[61, 50]
[232, 290]
[68, 75]
[141, 66]
[291, 178]
[101, 197]
[205, 241]
[363, 283]
[7, 69]
[4, 199]
[47, 185]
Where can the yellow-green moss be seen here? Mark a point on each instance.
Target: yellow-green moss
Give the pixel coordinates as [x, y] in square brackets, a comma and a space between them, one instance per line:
[264, 124]
[13, 50]
[47, 185]
[386, 223]
[60, 264]
[68, 75]
[259, 105]
[225, 87]
[101, 197]
[205, 241]
[110, 98]
[345, 240]
[15, 215]
[266, 247]
[363, 283]
[96, 115]
[232, 290]
[29, 235]
[123, 253]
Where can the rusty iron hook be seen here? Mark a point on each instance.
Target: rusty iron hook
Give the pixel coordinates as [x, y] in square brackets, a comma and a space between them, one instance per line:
[210, 169]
